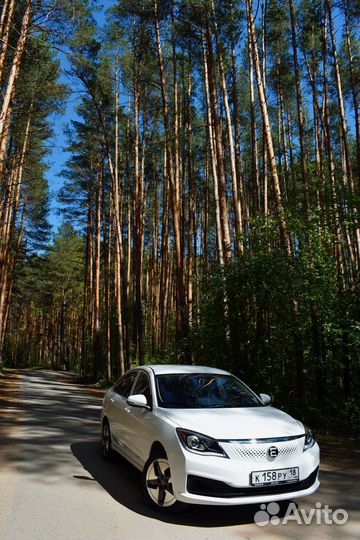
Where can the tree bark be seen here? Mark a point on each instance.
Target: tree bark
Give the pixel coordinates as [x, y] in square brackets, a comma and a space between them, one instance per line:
[7, 14]
[284, 234]
[9, 95]
[213, 162]
[239, 241]
[181, 326]
[219, 149]
[353, 88]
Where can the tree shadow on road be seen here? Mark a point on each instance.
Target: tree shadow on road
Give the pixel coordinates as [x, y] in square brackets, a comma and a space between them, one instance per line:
[38, 421]
[44, 416]
[123, 483]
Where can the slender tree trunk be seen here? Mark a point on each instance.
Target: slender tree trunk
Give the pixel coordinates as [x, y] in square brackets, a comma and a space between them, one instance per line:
[205, 212]
[86, 295]
[218, 144]
[9, 95]
[344, 130]
[239, 242]
[108, 299]
[97, 325]
[138, 227]
[331, 162]
[285, 238]
[166, 260]
[354, 90]
[191, 209]
[213, 162]
[127, 270]
[9, 229]
[238, 156]
[254, 147]
[9, 289]
[155, 290]
[299, 101]
[5, 26]
[119, 256]
[3, 17]
[181, 326]
[264, 151]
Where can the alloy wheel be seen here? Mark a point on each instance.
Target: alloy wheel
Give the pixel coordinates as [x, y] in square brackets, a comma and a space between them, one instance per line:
[159, 484]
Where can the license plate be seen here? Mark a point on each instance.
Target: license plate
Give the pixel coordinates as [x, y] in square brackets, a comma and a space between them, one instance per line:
[275, 476]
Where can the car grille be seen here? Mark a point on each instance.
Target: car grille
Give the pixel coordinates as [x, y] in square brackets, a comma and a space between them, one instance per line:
[258, 450]
[214, 488]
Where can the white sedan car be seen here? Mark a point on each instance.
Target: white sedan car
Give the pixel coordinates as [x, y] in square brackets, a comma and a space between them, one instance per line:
[201, 436]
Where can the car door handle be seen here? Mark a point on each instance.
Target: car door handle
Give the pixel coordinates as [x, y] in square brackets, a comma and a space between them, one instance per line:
[112, 400]
[127, 410]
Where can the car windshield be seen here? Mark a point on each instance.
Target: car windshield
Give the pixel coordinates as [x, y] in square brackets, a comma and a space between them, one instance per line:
[203, 391]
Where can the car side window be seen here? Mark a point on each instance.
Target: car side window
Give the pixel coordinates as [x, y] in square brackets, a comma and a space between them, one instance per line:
[124, 385]
[142, 386]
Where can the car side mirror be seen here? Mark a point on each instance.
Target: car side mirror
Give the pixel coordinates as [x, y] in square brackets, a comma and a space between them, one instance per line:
[137, 400]
[265, 398]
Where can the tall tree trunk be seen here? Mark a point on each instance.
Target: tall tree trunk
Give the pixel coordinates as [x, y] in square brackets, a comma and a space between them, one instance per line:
[9, 229]
[238, 156]
[239, 242]
[285, 238]
[344, 129]
[191, 209]
[181, 326]
[97, 325]
[138, 222]
[165, 257]
[108, 298]
[3, 17]
[211, 136]
[7, 15]
[255, 187]
[354, 90]
[218, 144]
[264, 151]
[86, 293]
[9, 95]
[331, 162]
[299, 101]
[10, 287]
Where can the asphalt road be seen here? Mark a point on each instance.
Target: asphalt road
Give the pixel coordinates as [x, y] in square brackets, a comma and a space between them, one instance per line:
[55, 485]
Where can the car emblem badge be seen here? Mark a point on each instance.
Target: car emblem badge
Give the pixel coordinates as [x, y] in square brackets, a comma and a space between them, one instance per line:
[272, 453]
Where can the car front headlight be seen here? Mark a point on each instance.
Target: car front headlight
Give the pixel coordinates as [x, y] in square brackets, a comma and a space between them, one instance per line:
[309, 439]
[200, 444]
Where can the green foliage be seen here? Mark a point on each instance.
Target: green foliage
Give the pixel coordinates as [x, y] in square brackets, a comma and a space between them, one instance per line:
[247, 325]
[45, 283]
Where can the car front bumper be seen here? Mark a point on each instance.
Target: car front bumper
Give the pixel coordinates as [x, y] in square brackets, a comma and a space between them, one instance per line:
[212, 480]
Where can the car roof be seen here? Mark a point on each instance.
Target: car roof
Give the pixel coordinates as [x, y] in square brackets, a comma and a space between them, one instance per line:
[167, 369]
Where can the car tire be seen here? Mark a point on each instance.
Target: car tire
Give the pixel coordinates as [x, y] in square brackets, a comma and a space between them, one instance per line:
[157, 485]
[106, 448]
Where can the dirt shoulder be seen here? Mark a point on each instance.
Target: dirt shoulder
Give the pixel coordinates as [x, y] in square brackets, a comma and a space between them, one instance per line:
[11, 426]
[11, 406]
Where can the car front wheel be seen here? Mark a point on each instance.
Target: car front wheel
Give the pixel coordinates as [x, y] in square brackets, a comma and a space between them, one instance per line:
[157, 484]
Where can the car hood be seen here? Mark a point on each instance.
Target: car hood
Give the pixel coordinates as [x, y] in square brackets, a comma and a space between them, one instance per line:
[237, 423]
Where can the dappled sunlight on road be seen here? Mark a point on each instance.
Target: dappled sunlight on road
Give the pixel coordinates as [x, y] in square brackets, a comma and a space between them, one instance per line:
[51, 454]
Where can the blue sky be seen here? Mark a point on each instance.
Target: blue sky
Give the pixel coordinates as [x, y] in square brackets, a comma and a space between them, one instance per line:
[58, 155]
